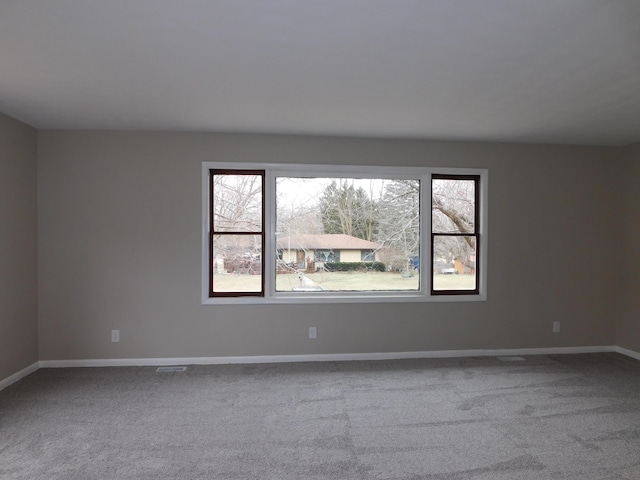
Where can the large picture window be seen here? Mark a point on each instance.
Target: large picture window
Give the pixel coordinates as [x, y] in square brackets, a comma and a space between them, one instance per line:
[343, 234]
[347, 234]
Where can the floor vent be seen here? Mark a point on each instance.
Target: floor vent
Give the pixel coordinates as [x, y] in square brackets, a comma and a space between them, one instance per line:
[171, 369]
[511, 359]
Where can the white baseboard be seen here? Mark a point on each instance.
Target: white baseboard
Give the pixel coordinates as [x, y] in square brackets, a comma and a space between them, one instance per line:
[329, 357]
[19, 375]
[628, 353]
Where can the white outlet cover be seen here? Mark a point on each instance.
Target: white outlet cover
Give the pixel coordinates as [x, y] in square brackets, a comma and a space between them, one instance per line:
[313, 332]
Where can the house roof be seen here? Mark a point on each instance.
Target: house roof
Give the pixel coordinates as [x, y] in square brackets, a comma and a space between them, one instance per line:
[334, 241]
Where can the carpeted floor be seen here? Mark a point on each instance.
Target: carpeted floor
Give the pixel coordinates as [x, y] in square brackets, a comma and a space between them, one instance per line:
[546, 417]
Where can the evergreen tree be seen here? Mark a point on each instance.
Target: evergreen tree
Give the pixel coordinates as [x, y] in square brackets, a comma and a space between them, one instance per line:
[345, 209]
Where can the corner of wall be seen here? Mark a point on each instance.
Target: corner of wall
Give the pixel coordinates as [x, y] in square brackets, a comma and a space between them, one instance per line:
[18, 242]
[628, 205]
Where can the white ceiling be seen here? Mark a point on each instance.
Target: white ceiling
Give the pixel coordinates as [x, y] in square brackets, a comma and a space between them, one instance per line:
[550, 71]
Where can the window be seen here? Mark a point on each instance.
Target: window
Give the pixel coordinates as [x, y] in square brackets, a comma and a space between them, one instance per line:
[327, 256]
[454, 234]
[367, 255]
[283, 234]
[236, 234]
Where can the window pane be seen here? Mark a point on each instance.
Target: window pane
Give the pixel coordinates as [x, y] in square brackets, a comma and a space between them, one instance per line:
[454, 263]
[347, 234]
[367, 255]
[237, 203]
[237, 263]
[327, 256]
[453, 206]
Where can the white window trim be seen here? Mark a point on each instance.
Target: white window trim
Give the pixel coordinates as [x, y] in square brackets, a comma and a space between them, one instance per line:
[355, 171]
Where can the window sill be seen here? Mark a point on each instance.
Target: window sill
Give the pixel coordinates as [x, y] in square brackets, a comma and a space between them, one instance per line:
[342, 298]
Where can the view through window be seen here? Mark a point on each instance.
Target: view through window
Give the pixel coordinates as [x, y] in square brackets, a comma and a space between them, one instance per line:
[454, 237]
[347, 234]
[237, 233]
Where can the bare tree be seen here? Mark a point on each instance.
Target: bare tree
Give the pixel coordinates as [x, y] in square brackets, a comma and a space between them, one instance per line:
[237, 208]
[453, 211]
[400, 223]
[237, 202]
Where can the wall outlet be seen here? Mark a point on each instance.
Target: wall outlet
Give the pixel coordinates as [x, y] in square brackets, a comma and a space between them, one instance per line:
[556, 327]
[313, 332]
[115, 336]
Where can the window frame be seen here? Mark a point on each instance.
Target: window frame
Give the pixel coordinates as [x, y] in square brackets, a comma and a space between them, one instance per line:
[272, 170]
[477, 223]
[212, 233]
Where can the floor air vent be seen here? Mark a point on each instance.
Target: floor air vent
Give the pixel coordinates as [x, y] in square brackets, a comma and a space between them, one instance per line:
[511, 359]
[171, 369]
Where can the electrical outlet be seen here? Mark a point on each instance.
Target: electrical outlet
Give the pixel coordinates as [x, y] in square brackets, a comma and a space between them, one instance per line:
[313, 332]
[556, 327]
[115, 336]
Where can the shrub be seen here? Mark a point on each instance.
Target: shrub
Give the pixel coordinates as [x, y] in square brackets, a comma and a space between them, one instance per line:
[355, 267]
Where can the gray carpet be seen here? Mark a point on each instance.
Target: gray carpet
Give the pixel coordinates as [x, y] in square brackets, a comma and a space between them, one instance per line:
[547, 417]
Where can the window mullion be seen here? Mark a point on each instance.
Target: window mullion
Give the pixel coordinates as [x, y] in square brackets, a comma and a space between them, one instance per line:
[269, 233]
[426, 252]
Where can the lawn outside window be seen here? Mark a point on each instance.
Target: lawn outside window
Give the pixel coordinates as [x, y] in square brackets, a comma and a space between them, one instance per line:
[276, 233]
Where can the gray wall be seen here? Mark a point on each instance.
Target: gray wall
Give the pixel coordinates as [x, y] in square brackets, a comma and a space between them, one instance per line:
[119, 248]
[18, 265]
[628, 327]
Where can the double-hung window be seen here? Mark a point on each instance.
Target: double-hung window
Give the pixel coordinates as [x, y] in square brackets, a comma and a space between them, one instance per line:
[318, 233]
[455, 236]
[236, 233]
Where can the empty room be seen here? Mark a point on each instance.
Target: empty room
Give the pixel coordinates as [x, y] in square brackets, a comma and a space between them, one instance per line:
[303, 239]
